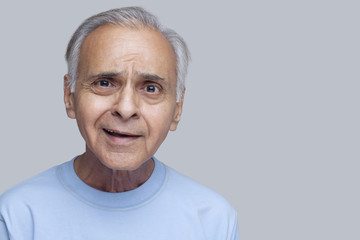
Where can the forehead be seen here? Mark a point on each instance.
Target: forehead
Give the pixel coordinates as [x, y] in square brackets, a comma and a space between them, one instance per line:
[112, 48]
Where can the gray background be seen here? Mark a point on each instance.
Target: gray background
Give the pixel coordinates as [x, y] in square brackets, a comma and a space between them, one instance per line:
[271, 115]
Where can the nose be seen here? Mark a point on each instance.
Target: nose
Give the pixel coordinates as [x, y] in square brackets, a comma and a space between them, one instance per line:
[126, 104]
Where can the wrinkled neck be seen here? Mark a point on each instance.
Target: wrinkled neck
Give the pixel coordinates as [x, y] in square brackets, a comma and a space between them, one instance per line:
[95, 174]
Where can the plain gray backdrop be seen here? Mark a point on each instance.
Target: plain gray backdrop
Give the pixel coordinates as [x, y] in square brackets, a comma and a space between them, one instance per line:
[271, 114]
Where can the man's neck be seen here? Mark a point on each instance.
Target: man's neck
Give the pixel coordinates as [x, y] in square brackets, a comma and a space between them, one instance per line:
[95, 174]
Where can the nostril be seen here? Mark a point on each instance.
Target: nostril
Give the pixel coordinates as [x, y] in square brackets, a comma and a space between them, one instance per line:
[116, 114]
[126, 104]
[124, 114]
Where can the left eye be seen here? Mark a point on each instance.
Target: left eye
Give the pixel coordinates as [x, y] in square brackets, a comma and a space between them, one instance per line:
[104, 83]
[151, 89]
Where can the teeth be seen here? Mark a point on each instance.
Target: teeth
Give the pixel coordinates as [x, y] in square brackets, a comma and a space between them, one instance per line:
[115, 133]
[109, 131]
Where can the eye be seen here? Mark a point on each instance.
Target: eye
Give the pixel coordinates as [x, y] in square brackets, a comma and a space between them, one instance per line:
[151, 89]
[104, 86]
[104, 83]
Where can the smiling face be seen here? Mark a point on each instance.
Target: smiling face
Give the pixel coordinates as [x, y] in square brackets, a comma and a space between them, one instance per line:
[125, 96]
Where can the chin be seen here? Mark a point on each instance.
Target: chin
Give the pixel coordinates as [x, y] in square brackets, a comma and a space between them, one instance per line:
[123, 163]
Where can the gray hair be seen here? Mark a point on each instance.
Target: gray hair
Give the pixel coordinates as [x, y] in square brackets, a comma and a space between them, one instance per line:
[130, 17]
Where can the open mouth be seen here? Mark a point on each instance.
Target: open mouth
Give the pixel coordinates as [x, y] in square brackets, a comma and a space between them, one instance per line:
[120, 134]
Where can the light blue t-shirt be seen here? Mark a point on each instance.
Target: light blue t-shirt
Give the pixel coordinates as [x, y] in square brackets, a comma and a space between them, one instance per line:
[56, 204]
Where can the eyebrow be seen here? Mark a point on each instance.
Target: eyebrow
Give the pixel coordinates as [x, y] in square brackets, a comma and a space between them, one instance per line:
[149, 76]
[146, 76]
[108, 75]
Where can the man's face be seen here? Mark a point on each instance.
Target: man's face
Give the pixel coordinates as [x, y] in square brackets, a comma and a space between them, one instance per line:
[125, 96]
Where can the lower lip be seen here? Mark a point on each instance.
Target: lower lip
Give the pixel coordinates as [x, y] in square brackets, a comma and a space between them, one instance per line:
[121, 140]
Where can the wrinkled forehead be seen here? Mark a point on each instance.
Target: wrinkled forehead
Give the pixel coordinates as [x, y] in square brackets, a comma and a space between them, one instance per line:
[112, 48]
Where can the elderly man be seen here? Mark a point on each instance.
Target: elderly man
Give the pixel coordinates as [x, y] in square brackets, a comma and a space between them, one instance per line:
[125, 88]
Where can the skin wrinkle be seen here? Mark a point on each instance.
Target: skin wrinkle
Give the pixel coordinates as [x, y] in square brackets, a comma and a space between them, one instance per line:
[147, 76]
[117, 178]
[116, 164]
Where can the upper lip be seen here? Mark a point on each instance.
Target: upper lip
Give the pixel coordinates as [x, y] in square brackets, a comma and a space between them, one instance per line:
[129, 134]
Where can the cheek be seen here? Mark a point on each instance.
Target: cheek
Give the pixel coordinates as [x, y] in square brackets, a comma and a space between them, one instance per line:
[159, 119]
[89, 110]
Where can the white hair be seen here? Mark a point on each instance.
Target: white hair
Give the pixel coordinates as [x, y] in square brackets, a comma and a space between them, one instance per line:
[130, 17]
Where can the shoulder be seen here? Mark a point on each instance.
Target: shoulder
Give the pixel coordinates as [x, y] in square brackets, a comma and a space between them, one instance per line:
[28, 190]
[17, 204]
[215, 214]
[197, 194]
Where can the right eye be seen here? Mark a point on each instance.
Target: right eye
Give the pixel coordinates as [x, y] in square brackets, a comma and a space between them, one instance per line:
[104, 87]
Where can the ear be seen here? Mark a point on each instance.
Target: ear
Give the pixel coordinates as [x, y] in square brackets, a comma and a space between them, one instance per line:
[178, 112]
[68, 98]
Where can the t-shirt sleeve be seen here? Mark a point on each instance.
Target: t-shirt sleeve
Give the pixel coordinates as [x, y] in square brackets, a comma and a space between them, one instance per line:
[235, 233]
[4, 235]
